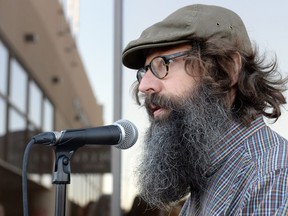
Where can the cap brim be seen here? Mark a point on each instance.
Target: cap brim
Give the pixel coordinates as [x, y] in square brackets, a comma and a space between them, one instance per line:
[135, 57]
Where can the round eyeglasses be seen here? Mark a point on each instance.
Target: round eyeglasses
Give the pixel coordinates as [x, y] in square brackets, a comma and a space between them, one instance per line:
[159, 65]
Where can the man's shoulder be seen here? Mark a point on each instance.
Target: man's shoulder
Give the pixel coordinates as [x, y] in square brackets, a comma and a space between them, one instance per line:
[268, 150]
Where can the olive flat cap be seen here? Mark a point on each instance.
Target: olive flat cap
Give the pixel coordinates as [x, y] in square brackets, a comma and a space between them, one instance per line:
[193, 21]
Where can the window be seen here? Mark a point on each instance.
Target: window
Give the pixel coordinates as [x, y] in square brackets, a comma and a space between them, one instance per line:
[35, 101]
[3, 118]
[2, 127]
[16, 138]
[3, 68]
[24, 111]
[48, 116]
[18, 90]
[16, 122]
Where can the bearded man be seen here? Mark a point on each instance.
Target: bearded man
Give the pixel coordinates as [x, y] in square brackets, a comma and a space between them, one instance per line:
[206, 91]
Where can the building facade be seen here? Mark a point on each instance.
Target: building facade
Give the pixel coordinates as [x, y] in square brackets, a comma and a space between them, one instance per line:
[43, 87]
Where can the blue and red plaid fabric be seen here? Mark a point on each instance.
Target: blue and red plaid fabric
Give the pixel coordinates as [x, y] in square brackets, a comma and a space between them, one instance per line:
[248, 176]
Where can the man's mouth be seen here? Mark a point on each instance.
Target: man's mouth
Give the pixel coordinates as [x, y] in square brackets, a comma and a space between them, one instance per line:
[157, 112]
[157, 107]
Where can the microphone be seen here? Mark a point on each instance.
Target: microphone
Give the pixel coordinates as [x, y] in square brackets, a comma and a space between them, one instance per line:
[122, 133]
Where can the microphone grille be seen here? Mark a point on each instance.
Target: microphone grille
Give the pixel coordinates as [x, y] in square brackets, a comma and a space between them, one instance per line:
[129, 134]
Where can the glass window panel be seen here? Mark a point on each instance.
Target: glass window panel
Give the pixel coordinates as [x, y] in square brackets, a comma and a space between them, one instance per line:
[48, 121]
[16, 121]
[3, 117]
[40, 159]
[2, 127]
[65, 6]
[3, 68]
[35, 100]
[18, 90]
[32, 130]
[16, 138]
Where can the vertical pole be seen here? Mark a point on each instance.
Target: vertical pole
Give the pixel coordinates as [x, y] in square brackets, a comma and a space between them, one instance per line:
[115, 153]
[60, 201]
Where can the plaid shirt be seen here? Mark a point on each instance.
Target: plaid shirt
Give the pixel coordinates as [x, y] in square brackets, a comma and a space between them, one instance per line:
[249, 175]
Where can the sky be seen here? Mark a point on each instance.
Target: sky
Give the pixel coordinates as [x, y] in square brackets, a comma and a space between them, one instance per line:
[266, 23]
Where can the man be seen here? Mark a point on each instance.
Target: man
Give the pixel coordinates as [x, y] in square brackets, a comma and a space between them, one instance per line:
[206, 91]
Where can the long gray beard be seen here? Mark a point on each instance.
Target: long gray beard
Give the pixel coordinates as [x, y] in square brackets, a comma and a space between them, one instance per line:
[176, 150]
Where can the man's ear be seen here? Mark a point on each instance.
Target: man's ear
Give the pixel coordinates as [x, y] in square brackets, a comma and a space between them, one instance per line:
[234, 75]
[237, 68]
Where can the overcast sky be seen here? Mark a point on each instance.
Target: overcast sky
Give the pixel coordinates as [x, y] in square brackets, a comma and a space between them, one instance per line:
[266, 23]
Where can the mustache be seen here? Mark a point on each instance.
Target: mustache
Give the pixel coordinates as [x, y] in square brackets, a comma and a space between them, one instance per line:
[155, 100]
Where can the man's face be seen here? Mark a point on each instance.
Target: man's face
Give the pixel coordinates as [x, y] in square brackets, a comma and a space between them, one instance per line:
[175, 84]
[186, 122]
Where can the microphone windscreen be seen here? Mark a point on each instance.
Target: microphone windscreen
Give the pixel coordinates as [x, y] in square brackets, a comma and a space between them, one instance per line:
[129, 134]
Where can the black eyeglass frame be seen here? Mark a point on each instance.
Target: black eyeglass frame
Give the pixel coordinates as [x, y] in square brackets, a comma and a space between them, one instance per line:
[167, 60]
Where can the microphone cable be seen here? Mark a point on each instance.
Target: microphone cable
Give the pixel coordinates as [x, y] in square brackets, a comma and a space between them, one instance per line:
[43, 138]
[24, 177]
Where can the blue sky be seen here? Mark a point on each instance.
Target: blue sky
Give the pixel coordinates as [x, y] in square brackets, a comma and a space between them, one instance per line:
[266, 23]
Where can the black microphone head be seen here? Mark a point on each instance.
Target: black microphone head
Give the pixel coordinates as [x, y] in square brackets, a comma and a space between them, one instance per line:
[129, 134]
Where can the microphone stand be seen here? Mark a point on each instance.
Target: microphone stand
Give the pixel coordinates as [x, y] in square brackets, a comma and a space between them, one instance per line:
[61, 175]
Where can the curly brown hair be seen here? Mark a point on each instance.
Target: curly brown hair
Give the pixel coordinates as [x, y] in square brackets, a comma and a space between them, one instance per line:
[259, 87]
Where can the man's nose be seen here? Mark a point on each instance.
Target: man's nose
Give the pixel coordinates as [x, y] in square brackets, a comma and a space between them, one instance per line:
[149, 83]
